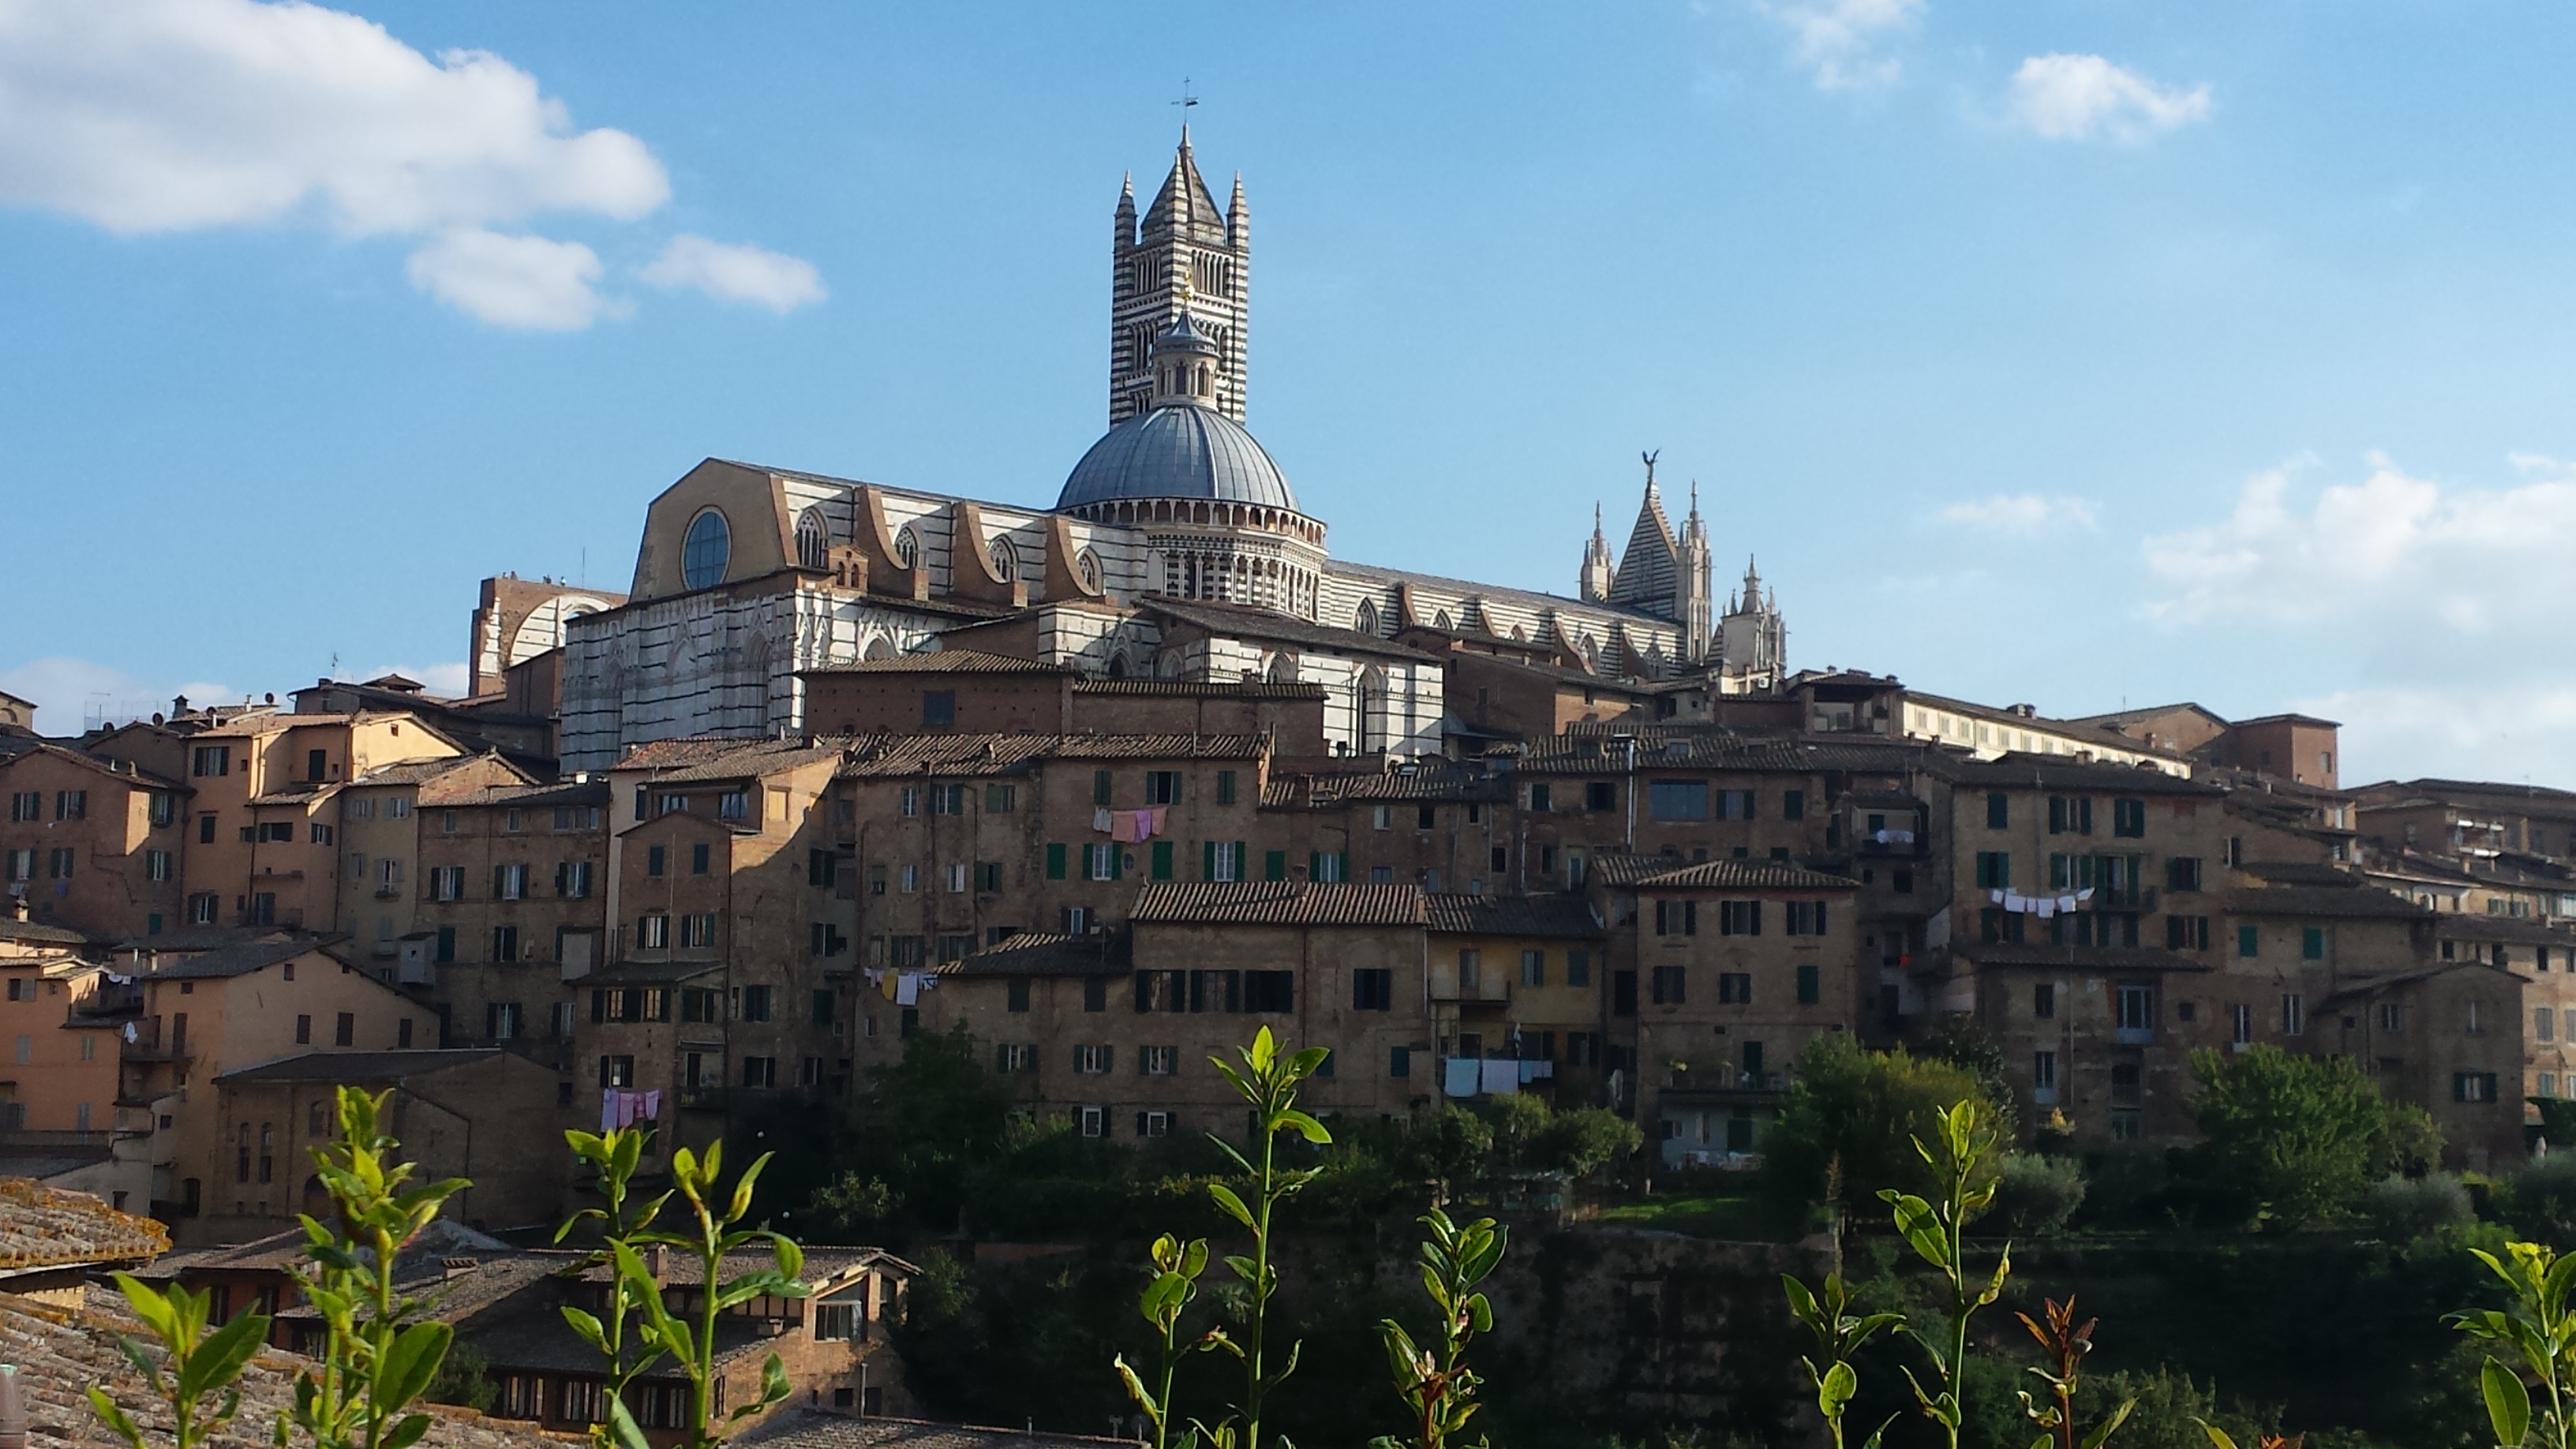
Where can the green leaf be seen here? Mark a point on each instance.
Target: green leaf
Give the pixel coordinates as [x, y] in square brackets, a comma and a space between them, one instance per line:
[220, 1359]
[115, 1418]
[407, 1433]
[2118, 1417]
[2508, 1403]
[1305, 1126]
[2217, 1436]
[1233, 1205]
[1802, 1304]
[625, 1433]
[1835, 1392]
[410, 1364]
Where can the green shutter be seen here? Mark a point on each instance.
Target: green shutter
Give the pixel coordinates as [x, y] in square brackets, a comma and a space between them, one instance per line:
[1161, 864]
[1274, 865]
[2248, 941]
[1117, 861]
[1207, 861]
[1242, 862]
[1314, 865]
[1100, 787]
[1055, 862]
[1810, 989]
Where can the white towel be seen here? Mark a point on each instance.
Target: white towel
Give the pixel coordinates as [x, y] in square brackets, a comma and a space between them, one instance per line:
[1460, 1077]
[1502, 1078]
[907, 989]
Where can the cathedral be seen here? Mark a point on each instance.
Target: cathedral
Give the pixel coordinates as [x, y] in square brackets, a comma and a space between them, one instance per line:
[1175, 550]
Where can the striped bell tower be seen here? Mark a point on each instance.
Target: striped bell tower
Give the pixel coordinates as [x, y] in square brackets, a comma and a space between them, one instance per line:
[1187, 254]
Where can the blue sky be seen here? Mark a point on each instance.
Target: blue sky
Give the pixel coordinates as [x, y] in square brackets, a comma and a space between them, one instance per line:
[2083, 353]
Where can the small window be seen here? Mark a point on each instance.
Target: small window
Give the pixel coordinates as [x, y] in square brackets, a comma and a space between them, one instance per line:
[939, 709]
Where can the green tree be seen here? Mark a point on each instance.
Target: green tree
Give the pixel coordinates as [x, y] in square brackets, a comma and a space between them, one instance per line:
[193, 1368]
[1861, 1111]
[2305, 1136]
[1448, 1144]
[1518, 1123]
[1584, 1141]
[924, 1125]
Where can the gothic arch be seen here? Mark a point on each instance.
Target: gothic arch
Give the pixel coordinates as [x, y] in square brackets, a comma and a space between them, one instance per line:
[1365, 621]
[879, 647]
[813, 539]
[1006, 557]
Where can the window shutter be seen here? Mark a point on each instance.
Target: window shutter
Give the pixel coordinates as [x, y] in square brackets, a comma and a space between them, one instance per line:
[1314, 865]
[1241, 862]
[1810, 988]
[1055, 862]
[1207, 865]
[1757, 918]
[1160, 863]
[1274, 865]
[1117, 861]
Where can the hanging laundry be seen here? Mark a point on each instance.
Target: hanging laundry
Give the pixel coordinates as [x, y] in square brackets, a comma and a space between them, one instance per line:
[907, 990]
[1502, 1078]
[1461, 1076]
[652, 1109]
[1100, 820]
[1537, 1071]
[608, 1111]
[2045, 906]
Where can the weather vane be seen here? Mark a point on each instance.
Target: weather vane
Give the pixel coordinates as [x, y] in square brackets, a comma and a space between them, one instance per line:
[1187, 102]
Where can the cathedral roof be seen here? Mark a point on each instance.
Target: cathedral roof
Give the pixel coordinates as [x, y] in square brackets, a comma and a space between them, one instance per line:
[1178, 450]
[1186, 190]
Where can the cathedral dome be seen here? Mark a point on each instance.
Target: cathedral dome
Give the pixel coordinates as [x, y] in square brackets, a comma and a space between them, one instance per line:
[1177, 450]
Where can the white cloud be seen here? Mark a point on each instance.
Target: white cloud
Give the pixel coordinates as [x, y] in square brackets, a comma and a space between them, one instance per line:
[170, 115]
[2392, 551]
[70, 693]
[154, 116]
[447, 681]
[1839, 39]
[511, 281]
[2511, 733]
[2023, 513]
[737, 273]
[2077, 97]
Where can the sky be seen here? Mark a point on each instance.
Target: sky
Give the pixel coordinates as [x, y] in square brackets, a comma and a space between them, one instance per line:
[2089, 353]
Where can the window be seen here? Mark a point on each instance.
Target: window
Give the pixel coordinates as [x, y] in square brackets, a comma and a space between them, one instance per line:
[2473, 1086]
[1225, 787]
[1159, 858]
[1735, 804]
[1223, 860]
[2070, 815]
[1793, 804]
[656, 860]
[509, 882]
[444, 947]
[653, 932]
[1162, 787]
[1806, 918]
[2187, 933]
[2544, 1024]
[2136, 1008]
[1994, 869]
[1274, 865]
[206, 829]
[2476, 1024]
[1533, 968]
[1381, 817]
[2182, 873]
[1372, 989]
[1677, 799]
[1601, 795]
[26, 806]
[1153, 1124]
[1001, 799]
[1017, 993]
[211, 760]
[71, 804]
[344, 1030]
[1998, 810]
[503, 1020]
[1158, 1061]
[505, 943]
[2294, 1014]
[1014, 1058]
[572, 880]
[1539, 798]
[2390, 1017]
[1329, 866]
[1270, 991]
[755, 1003]
[1094, 1061]
[956, 873]
[22, 864]
[701, 858]
[2249, 942]
[705, 550]
[2240, 1025]
[1100, 862]
[1671, 985]
[1578, 968]
[2043, 1077]
[2129, 818]
[1744, 918]
[698, 931]
[1100, 787]
[760, 1071]
[2312, 943]
[908, 801]
[939, 709]
[1676, 918]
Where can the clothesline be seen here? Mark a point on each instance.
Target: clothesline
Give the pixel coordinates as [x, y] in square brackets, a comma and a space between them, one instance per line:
[2040, 906]
[625, 1109]
[903, 988]
[1129, 827]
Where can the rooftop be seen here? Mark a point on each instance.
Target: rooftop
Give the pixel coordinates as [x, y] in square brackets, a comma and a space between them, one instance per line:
[361, 1067]
[239, 960]
[811, 1428]
[1556, 917]
[1664, 872]
[44, 1227]
[1279, 903]
[1047, 953]
[943, 661]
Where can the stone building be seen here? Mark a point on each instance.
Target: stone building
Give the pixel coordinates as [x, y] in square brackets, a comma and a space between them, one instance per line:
[92, 844]
[1174, 549]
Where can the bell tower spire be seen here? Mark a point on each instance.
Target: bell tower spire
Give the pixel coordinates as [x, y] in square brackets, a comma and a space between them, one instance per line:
[1185, 254]
[1598, 573]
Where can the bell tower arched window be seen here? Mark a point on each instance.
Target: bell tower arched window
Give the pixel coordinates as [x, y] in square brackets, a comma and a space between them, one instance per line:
[813, 539]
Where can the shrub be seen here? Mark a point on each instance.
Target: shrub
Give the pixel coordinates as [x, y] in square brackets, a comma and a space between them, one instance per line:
[2304, 1135]
[1859, 1111]
[2539, 1202]
[2034, 1195]
[2406, 1208]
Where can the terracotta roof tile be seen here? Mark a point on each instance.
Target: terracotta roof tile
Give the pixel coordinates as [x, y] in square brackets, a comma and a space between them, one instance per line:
[943, 661]
[1280, 903]
[44, 1227]
[1560, 917]
[1666, 872]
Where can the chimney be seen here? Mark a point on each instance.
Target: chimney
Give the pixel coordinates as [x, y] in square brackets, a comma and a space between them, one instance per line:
[13, 1409]
[17, 907]
[657, 1261]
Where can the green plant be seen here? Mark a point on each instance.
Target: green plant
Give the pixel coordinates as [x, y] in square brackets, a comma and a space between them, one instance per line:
[1964, 1181]
[1177, 1266]
[1267, 1081]
[1839, 1334]
[2035, 1194]
[1438, 1386]
[2220, 1439]
[1860, 1109]
[2304, 1135]
[614, 1156]
[2540, 1328]
[377, 1358]
[194, 1367]
[718, 1234]
[2066, 1344]
[464, 1380]
[2406, 1208]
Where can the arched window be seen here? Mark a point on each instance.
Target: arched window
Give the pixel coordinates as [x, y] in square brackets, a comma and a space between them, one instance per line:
[1440, 621]
[1375, 726]
[813, 539]
[705, 550]
[1006, 558]
[1086, 567]
[907, 547]
[1365, 621]
[1118, 665]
